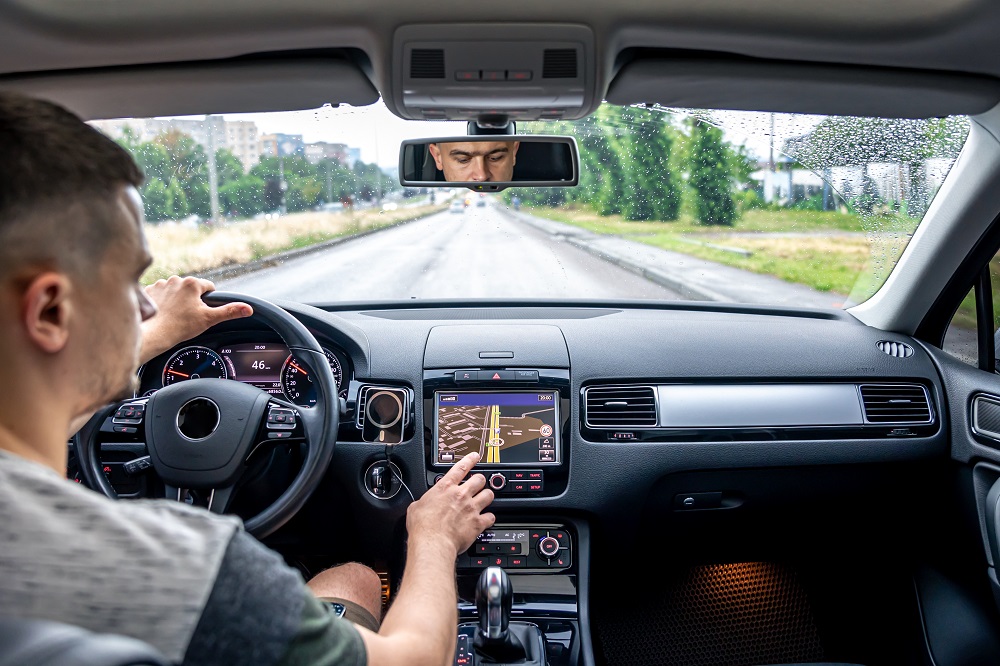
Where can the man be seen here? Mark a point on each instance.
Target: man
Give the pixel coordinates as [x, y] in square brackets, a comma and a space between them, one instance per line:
[476, 161]
[193, 584]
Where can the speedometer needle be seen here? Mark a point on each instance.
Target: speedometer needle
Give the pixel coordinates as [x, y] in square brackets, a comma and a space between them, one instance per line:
[179, 374]
[294, 365]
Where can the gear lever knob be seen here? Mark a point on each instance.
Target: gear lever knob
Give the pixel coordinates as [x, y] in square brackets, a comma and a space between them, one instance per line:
[494, 598]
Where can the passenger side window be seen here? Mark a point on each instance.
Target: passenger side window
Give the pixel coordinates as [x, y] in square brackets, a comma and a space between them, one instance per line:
[961, 339]
[974, 332]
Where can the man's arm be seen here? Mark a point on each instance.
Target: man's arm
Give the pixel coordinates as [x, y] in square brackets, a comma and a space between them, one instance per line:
[421, 626]
[181, 314]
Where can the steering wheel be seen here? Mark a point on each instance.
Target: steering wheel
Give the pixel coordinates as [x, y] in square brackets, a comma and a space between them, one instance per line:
[199, 432]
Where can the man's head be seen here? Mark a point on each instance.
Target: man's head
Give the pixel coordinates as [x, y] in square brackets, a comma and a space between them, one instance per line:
[72, 250]
[476, 161]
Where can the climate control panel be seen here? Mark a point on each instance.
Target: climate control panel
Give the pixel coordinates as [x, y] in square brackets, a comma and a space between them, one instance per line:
[521, 548]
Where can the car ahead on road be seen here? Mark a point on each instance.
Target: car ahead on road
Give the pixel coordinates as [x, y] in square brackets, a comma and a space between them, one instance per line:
[736, 389]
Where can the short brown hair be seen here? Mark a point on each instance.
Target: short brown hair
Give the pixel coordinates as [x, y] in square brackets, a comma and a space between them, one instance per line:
[60, 177]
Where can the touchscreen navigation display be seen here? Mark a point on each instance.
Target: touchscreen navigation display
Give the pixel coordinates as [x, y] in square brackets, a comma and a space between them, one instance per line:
[508, 428]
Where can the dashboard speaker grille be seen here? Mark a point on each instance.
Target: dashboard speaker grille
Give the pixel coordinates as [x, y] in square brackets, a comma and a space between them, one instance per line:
[427, 64]
[895, 403]
[620, 407]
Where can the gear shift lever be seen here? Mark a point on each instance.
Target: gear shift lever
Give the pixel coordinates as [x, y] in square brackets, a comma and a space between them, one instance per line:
[494, 597]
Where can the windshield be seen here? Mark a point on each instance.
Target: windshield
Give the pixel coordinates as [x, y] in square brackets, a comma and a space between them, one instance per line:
[672, 204]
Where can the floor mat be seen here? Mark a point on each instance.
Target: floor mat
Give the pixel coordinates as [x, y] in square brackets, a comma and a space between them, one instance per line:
[742, 614]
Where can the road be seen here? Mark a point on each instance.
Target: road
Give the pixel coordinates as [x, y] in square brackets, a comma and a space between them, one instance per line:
[480, 253]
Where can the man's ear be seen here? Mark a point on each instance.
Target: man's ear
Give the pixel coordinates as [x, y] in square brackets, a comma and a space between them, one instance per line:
[513, 153]
[436, 154]
[46, 311]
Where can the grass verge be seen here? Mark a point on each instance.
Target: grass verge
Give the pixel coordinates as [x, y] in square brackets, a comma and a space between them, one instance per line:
[834, 252]
[180, 250]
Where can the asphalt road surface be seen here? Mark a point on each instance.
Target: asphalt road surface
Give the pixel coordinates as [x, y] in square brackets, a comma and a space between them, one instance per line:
[480, 253]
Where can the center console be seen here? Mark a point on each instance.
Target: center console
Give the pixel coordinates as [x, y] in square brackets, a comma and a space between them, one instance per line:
[517, 418]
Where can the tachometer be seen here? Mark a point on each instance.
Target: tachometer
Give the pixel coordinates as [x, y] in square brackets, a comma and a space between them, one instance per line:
[193, 363]
[298, 385]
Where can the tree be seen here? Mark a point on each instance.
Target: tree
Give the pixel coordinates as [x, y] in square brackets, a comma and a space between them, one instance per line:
[653, 190]
[711, 175]
[176, 205]
[154, 200]
[243, 197]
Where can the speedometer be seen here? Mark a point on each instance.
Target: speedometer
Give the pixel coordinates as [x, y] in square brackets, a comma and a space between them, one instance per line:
[193, 363]
[297, 383]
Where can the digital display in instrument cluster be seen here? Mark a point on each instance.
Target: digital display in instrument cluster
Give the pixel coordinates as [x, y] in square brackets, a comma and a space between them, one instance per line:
[258, 364]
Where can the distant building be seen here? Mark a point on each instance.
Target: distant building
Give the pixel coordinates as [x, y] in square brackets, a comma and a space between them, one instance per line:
[353, 157]
[285, 145]
[208, 132]
[323, 150]
[243, 141]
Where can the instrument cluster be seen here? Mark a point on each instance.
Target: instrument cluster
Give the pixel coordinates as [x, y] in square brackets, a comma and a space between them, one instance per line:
[268, 365]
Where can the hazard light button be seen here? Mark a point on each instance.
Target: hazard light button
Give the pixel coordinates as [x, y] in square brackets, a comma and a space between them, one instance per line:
[496, 375]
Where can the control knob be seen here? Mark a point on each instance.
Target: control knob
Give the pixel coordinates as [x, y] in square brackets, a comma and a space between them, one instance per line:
[498, 481]
[548, 546]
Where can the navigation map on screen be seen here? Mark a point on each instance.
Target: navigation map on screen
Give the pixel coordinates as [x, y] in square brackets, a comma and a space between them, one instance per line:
[507, 428]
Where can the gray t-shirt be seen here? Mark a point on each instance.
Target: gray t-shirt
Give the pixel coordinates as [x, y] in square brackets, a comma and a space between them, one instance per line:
[189, 582]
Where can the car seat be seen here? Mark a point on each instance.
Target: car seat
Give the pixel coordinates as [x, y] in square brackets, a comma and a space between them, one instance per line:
[30, 642]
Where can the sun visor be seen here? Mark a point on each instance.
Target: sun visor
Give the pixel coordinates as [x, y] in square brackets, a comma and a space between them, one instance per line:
[758, 85]
[236, 86]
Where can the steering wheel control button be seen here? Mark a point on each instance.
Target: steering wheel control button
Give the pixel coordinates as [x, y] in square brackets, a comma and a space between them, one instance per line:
[498, 481]
[279, 434]
[280, 418]
[129, 414]
[198, 418]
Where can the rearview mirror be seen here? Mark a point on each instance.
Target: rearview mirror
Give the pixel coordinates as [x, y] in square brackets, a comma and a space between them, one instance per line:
[490, 163]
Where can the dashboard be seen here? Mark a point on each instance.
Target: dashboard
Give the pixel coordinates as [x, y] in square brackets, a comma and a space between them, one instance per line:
[609, 435]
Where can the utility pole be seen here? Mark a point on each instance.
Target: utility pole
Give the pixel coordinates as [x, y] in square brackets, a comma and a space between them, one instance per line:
[213, 172]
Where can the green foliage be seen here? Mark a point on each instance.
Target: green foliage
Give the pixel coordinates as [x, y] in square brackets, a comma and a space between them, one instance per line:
[711, 175]
[176, 205]
[653, 190]
[154, 200]
[176, 185]
[243, 197]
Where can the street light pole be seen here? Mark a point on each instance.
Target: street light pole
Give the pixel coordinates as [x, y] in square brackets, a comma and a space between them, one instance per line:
[213, 171]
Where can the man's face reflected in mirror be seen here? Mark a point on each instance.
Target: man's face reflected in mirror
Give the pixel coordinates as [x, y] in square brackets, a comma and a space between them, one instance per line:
[476, 161]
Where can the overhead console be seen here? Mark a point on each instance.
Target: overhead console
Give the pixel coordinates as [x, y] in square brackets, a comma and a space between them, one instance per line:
[505, 71]
[501, 391]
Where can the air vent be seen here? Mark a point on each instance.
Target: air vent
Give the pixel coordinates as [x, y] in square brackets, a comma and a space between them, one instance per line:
[621, 407]
[897, 349]
[367, 390]
[895, 403]
[559, 64]
[427, 64]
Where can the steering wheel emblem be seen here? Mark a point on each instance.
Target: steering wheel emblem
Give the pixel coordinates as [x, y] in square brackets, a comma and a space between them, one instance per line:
[198, 418]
